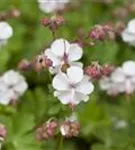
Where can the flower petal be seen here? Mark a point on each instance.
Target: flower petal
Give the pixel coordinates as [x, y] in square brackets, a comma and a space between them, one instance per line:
[75, 52]
[129, 68]
[11, 77]
[118, 75]
[6, 30]
[105, 83]
[21, 87]
[47, 7]
[85, 86]
[128, 36]
[131, 26]
[60, 82]
[76, 64]
[75, 74]
[59, 47]
[78, 97]
[3, 85]
[6, 96]
[50, 55]
[129, 87]
[64, 96]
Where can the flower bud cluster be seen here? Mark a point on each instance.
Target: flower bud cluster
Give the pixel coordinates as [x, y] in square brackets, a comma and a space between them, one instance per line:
[101, 32]
[53, 23]
[46, 131]
[95, 71]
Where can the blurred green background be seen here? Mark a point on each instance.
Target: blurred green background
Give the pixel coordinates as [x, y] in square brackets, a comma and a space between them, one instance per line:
[100, 116]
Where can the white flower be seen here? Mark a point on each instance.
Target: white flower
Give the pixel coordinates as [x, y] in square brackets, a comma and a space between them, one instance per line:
[6, 32]
[12, 85]
[108, 85]
[50, 6]
[62, 52]
[128, 35]
[72, 87]
[125, 76]
[121, 80]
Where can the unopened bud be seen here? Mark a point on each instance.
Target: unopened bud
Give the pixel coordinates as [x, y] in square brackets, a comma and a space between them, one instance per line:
[106, 70]
[24, 65]
[70, 129]
[93, 71]
[47, 130]
[3, 132]
[53, 23]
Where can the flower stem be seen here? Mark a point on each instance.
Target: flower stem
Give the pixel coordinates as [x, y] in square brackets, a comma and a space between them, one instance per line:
[60, 143]
[53, 35]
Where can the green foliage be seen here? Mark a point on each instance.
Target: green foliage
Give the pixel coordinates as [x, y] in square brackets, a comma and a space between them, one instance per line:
[38, 103]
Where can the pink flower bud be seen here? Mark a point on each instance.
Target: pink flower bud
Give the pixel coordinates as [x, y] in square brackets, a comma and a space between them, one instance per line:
[3, 132]
[70, 129]
[46, 131]
[93, 71]
[53, 23]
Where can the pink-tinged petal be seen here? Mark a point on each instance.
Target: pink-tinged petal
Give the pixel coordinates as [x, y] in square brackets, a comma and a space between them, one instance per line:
[60, 82]
[129, 87]
[129, 68]
[118, 75]
[85, 86]
[59, 47]
[75, 52]
[75, 74]
[64, 96]
[50, 55]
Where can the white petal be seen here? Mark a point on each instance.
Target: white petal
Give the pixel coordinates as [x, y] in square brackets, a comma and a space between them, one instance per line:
[131, 26]
[6, 96]
[85, 86]
[75, 74]
[64, 129]
[75, 52]
[64, 96]
[50, 55]
[3, 85]
[129, 68]
[118, 75]
[11, 77]
[48, 7]
[76, 64]
[105, 83]
[6, 30]
[78, 97]
[55, 70]
[59, 47]
[60, 82]
[128, 36]
[129, 87]
[21, 87]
